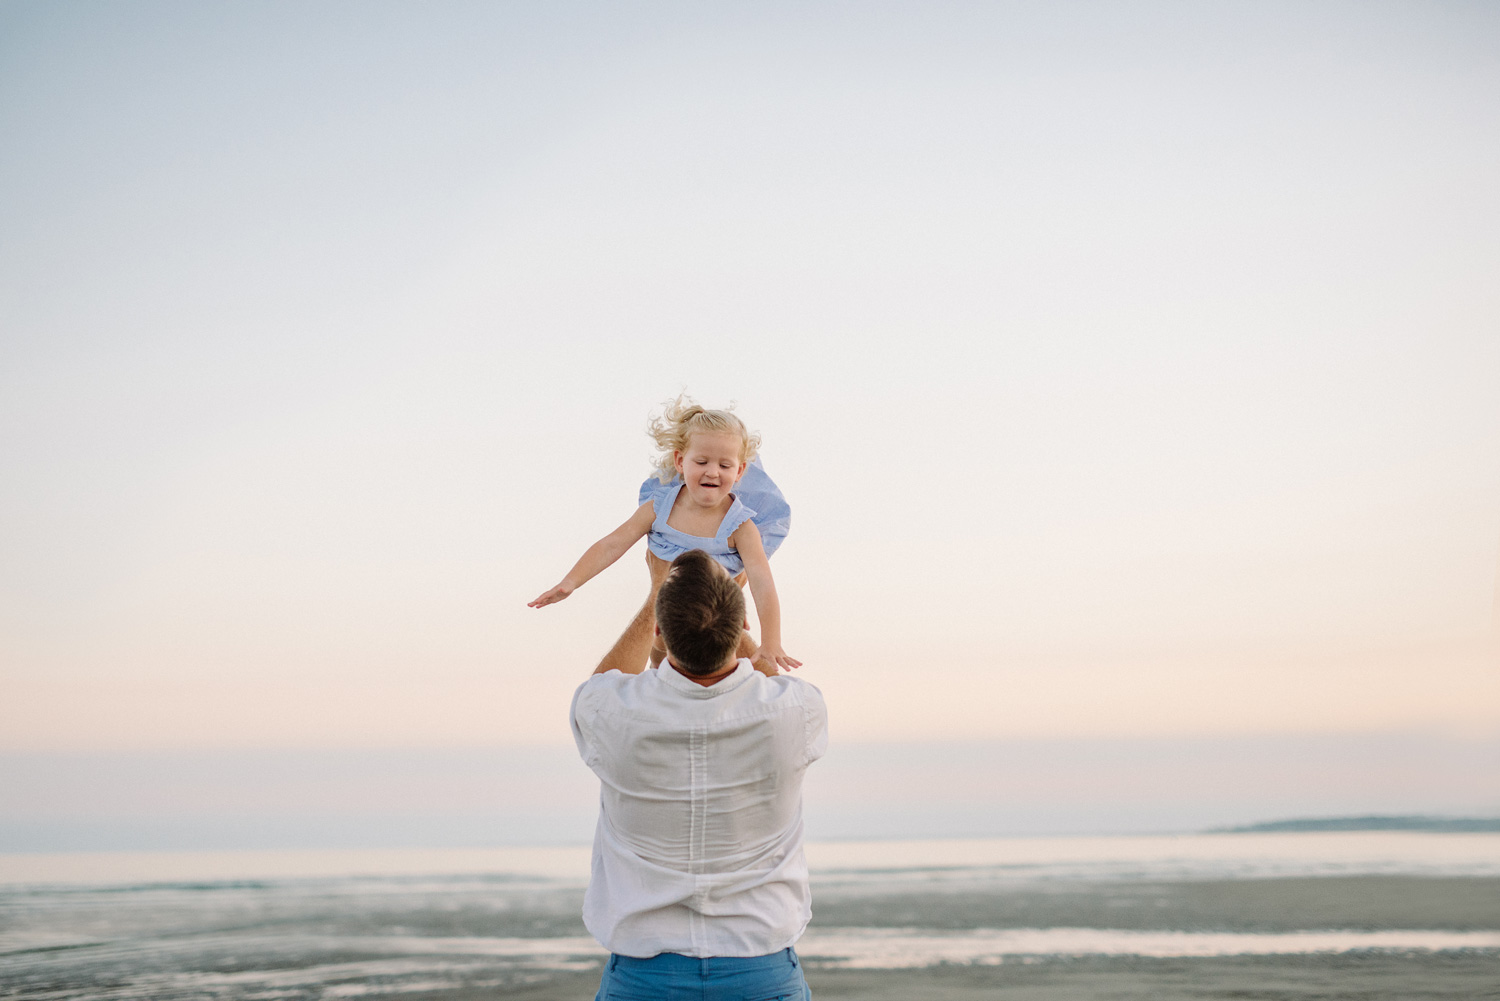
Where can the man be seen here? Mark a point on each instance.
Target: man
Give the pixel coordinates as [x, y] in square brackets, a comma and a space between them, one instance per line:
[699, 884]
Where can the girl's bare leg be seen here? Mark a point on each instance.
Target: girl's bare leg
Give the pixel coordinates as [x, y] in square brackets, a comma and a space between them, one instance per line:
[630, 652]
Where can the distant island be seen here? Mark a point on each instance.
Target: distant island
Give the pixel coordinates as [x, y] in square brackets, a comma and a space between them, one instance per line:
[1445, 825]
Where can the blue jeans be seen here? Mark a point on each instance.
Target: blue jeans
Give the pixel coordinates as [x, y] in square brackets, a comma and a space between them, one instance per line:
[670, 977]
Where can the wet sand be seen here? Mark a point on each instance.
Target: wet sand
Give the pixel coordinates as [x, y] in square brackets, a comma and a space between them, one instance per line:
[1348, 977]
[427, 941]
[1243, 905]
[1268, 905]
[1264, 978]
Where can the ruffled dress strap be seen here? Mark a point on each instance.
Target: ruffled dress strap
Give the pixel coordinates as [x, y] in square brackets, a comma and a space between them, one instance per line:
[739, 513]
[654, 490]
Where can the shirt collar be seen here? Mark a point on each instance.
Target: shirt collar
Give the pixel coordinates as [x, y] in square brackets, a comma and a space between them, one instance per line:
[667, 675]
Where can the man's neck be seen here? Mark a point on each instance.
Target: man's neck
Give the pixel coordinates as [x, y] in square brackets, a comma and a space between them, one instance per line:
[707, 679]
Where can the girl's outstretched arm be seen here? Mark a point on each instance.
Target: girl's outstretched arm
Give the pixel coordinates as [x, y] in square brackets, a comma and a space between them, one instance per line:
[600, 555]
[746, 541]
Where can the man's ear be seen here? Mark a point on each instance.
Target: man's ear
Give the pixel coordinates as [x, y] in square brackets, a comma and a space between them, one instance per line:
[657, 628]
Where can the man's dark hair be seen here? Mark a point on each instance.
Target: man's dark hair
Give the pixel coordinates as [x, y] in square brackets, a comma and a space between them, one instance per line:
[700, 611]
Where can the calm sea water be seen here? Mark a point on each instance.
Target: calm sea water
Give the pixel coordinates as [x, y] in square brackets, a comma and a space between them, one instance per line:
[341, 924]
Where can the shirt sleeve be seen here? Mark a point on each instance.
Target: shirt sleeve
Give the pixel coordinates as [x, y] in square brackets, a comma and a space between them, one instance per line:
[815, 723]
[581, 715]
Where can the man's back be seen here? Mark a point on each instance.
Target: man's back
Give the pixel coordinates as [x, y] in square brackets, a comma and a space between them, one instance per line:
[699, 844]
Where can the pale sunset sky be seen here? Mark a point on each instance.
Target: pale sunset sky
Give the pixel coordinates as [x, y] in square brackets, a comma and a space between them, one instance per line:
[1133, 370]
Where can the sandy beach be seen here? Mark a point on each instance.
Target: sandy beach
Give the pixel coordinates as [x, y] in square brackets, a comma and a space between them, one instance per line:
[1270, 905]
[1250, 905]
[463, 939]
[1297, 978]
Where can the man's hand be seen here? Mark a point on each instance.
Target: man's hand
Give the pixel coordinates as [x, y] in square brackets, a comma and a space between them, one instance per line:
[557, 594]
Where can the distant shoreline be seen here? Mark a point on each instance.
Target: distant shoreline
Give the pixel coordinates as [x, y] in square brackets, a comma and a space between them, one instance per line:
[1444, 825]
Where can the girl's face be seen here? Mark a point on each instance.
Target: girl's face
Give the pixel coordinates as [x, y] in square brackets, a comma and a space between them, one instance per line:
[711, 465]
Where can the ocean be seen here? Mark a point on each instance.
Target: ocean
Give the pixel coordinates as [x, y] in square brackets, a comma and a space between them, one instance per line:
[1204, 915]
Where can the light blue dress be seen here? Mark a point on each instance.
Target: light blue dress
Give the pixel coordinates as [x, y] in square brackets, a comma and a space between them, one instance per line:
[756, 499]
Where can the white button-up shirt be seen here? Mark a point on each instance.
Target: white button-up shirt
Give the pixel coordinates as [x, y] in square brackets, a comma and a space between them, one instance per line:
[698, 849]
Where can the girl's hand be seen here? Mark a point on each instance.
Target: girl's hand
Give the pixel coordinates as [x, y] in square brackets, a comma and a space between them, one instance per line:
[600, 555]
[558, 593]
[770, 659]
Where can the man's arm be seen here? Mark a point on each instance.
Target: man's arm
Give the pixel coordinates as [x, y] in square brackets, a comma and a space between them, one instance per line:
[628, 655]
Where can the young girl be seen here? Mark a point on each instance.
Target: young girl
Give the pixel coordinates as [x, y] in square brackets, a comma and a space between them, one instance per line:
[711, 493]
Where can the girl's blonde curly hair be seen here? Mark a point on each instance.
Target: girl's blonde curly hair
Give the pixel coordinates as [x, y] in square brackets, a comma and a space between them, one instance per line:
[681, 419]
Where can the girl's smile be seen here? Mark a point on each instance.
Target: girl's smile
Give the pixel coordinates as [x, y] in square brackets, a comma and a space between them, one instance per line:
[711, 466]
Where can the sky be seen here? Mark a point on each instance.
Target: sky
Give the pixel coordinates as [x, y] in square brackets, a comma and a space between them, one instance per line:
[269, 799]
[1130, 369]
